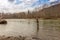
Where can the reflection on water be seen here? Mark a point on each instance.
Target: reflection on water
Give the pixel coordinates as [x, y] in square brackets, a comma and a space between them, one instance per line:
[50, 30]
[19, 27]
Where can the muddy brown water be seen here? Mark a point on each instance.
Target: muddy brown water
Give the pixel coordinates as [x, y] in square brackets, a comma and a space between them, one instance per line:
[24, 27]
[48, 29]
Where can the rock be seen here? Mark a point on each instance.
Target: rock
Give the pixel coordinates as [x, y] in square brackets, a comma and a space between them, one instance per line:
[3, 22]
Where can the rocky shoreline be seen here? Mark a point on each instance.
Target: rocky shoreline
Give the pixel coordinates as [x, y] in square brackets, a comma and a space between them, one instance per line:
[17, 38]
[11, 38]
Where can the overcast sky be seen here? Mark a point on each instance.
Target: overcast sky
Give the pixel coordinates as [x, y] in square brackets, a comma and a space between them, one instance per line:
[21, 5]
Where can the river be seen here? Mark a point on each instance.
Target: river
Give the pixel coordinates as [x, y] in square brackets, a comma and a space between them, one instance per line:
[24, 27]
[48, 29]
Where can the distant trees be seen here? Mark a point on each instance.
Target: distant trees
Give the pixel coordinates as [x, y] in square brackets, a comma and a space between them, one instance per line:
[50, 12]
[19, 15]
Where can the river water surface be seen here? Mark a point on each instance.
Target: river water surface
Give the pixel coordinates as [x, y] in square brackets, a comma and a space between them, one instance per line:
[24, 27]
[48, 29]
